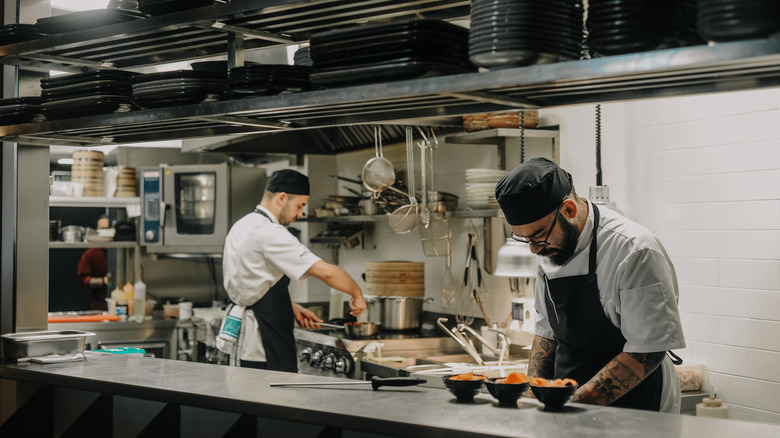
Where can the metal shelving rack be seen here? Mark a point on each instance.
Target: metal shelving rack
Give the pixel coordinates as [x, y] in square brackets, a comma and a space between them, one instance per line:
[252, 24]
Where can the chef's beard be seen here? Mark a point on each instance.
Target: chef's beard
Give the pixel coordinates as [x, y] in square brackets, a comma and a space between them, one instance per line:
[570, 233]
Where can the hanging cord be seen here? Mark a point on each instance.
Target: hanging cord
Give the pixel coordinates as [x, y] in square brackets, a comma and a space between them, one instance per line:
[521, 147]
[598, 144]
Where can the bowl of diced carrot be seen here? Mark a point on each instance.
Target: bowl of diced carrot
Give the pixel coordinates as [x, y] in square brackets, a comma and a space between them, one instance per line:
[554, 393]
[464, 386]
[507, 390]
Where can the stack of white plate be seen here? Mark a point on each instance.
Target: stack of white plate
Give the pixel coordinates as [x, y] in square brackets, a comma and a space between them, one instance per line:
[481, 187]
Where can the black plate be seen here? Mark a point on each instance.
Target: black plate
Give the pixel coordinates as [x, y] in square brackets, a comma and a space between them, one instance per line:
[85, 20]
[15, 33]
[86, 106]
[95, 75]
[94, 88]
[160, 7]
[384, 72]
[178, 74]
[364, 31]
[183, 97]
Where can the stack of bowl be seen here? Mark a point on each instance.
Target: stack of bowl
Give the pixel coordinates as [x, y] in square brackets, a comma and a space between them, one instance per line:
[125, 183]
[87, 172]
[481, 187]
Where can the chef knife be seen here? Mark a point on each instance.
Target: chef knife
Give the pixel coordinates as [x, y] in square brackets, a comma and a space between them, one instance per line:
[375, 382]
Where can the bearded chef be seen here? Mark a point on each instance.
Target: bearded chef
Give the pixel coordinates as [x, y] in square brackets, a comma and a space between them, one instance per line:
[606, 293]
[259, 258]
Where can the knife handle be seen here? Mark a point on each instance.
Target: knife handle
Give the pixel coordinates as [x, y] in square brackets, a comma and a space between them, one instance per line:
[376, 382]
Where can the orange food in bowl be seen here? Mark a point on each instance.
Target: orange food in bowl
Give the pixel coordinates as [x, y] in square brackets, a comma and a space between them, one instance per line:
[557, 383]
[513, 378]
[468, 376]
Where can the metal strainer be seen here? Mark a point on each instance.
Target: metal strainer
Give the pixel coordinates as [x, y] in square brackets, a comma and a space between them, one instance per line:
[378, 172]
[404, 219]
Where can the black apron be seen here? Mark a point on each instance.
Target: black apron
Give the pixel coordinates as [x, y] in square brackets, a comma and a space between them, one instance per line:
[276, 323]
[587, 339]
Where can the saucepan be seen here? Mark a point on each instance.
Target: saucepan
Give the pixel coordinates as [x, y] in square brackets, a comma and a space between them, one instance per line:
[356, 329]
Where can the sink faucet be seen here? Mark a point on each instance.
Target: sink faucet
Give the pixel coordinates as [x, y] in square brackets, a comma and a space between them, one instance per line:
[503, 340]
[461, 340]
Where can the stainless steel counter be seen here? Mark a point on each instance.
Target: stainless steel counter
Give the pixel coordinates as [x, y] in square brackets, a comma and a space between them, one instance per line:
[407, 412]
[157, 336]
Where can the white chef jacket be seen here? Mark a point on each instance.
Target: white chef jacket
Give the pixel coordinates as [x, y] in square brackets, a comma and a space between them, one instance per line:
[258, 252]
[638, 290]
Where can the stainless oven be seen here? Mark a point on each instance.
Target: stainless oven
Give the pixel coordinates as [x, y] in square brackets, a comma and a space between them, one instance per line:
[190, 208]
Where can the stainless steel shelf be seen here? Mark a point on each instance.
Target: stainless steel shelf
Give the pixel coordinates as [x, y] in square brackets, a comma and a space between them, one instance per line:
[203, 32]
[499, 135]
[719, 67]
[66, 201]
[475, 213]
[344, 219]
[76, 245]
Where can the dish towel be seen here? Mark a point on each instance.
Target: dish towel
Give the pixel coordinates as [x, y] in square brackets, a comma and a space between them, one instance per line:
[228, 339]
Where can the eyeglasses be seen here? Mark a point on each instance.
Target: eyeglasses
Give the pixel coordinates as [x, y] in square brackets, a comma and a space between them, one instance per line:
[544, 242]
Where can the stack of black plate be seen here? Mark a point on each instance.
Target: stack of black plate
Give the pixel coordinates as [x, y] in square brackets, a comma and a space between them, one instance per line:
[20, 110]
[625, 26]
[179, 87]
[15, 33]
[507, 33]
[302, 56]
[160, 7]
[85, 20]
[389, 51]
[267, 79]
[85, 94]
[726, 20]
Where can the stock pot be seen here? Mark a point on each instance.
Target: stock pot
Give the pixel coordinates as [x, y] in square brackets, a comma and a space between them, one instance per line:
[396, 312]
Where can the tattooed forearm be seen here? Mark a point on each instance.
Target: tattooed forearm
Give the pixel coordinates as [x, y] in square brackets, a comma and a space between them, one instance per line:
[541, 362]
[620, 375]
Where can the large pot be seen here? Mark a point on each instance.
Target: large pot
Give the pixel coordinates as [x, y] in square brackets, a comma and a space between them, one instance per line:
[72, 233]
[396, 312]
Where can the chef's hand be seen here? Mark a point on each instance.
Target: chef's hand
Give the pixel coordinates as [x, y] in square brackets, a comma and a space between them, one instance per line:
[357, 305]
[305, 317]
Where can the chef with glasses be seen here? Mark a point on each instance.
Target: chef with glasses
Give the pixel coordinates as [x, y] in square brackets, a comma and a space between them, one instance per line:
[606, 293]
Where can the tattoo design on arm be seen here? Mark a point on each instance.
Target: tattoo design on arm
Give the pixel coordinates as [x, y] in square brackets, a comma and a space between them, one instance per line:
[620, 375]
[541, 362]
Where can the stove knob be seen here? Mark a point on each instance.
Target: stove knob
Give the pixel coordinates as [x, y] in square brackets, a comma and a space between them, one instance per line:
[328, 362]
[306, 354]
[341, 366]
[316, 358]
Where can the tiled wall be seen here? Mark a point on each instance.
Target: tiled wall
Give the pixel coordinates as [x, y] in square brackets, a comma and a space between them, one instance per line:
[704, 174]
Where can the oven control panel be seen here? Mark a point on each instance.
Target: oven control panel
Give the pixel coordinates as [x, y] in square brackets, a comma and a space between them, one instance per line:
[324, 360]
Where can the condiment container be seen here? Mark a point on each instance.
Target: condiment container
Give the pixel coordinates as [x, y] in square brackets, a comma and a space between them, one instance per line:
[690, 375]
[712, 407]
[170, 311]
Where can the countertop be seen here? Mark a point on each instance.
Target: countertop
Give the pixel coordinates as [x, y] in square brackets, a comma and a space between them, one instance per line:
[410, 411]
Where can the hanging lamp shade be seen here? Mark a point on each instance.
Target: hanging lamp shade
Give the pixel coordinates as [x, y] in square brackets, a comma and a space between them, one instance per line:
[515, 259]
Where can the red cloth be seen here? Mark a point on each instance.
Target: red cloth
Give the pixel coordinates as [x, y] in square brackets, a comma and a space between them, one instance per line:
[94, 263]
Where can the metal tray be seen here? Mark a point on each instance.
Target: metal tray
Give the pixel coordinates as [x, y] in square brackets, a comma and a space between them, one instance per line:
[36, 344]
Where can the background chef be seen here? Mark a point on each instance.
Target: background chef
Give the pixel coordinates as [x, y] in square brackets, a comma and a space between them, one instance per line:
[606, 293]
[259, 258]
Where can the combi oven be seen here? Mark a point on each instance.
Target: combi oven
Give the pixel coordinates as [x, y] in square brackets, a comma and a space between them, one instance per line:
[190, 208]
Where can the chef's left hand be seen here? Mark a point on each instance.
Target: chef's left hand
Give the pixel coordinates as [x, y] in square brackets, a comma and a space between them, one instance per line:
[305, 317]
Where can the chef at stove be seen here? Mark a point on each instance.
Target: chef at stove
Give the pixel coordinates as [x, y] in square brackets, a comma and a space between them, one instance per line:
[259, 258]
[606, 293]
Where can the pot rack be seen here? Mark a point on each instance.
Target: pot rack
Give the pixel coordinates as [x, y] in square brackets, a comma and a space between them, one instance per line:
[229, 29]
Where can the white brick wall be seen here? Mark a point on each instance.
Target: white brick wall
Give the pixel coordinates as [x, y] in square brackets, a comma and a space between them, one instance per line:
[703, 172]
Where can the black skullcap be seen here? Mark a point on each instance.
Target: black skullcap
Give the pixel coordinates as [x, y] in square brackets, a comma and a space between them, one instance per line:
[532, 190]
[288, 181]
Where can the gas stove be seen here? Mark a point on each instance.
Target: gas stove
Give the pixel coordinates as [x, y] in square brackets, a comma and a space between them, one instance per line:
[332, 353]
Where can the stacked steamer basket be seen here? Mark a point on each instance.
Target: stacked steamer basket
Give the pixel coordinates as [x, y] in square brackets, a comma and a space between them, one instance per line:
[481, 187]
[125, 183]
[395, 293]
[88, 170]
[406, 279]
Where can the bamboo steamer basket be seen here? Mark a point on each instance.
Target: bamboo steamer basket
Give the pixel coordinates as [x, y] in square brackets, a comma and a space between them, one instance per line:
[88, 169]
[395, 278]
[126, 183]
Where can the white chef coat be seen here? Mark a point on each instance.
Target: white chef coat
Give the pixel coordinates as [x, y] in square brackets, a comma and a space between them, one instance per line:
[637, 286]
[258, 253]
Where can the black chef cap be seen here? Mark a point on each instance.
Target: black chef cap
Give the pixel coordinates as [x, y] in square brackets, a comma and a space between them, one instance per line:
[532, 190]
[288, 181]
